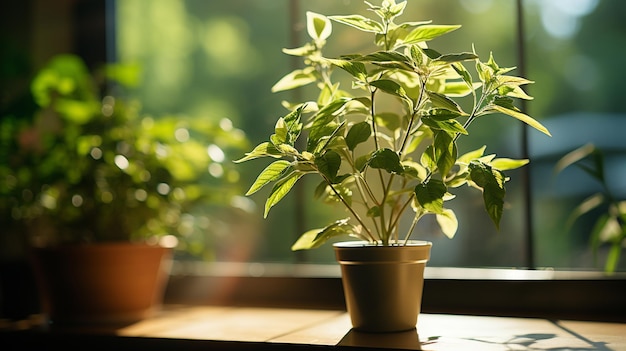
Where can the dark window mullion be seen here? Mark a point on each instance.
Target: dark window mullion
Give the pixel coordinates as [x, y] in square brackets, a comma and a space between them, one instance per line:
[526, 180]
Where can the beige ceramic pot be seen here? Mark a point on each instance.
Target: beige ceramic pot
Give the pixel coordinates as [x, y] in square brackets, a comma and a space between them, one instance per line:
[383, 284]
[101, 283]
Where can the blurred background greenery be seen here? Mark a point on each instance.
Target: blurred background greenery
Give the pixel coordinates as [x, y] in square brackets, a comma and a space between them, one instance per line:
[217, 60]
[222, 58]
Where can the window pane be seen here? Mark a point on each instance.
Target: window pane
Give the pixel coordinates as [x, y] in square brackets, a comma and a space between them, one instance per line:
[219, 59]
[215, 59]
[575, 53]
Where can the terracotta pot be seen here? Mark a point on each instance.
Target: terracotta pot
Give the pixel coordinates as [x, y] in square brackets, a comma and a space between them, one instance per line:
[101, 283]
[383, 284]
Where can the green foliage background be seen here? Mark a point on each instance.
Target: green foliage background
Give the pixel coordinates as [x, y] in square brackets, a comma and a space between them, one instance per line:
[219, 59]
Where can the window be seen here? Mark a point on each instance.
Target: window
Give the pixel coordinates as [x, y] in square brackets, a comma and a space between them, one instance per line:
[217, 60]
[572, 53]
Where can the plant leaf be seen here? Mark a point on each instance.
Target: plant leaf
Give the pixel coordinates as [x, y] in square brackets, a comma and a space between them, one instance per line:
[359, 22]
[320, 189]
[390, 87]
[262, 150]
[492, 183]
[295, 79]
[450, 126]
[293, 125]
[387, 59]
[280, 132]
[316, 237]
[318, 26]
[374, 212]
[442, 101]
[506, 106]
[386, 159]
[357, 134]
[464, 73]
[269, 174]
[472, 155]
[327, 113]
[414, 170]
[430, 195]
[574, 156]
[445, 151]
[485, 72]
[505, 164]
[587, 205]
[512, 80]
[304, 50]
[393, 88]
[459, 57]
[428, 32]
[456, 89]
[361, 162]
[613, 258]
[356, 69]
[428, 158]
[448, 222]
[328, 139]
[328, 164]
[280, 189]
[389, 120]
[595, 238]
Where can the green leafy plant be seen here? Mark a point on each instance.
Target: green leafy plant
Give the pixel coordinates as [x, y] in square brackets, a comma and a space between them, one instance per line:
[85, 166]
[610, 226]
[388, 145]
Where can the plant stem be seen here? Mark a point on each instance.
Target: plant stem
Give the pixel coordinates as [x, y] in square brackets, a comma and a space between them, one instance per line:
[474, 114]
[381, 204]
[356, 216]
[373, 114]
[357, 180]
[386, 230]
[397, 218]
[364, 188]
[418, 103]
[416, 219]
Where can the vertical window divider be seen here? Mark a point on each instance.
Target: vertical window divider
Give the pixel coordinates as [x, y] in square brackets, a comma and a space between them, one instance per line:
[300, 187]
[526, 171]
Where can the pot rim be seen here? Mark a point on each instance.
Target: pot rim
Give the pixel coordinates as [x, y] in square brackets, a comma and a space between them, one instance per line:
[118, 246]
[363, 243]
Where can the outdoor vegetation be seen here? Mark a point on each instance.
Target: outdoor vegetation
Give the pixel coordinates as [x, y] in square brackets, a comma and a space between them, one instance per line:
[216, 61]
[560, 39]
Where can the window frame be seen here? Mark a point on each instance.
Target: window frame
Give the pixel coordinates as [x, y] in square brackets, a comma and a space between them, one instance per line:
[476, 291]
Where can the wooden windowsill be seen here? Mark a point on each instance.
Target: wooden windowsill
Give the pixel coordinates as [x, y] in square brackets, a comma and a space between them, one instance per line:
[241, 328]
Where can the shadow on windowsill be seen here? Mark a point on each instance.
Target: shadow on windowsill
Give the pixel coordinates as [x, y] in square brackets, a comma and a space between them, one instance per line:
[400, 340]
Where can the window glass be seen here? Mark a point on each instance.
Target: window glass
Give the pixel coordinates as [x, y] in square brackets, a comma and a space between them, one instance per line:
[575, 52]
[219, 59]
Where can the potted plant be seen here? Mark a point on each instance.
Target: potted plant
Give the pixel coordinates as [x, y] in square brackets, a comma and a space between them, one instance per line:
[610, 226]
[385, 147]
[86, 177]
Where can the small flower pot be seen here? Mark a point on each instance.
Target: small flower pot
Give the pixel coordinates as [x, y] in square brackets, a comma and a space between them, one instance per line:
[383, 284]
[111, 283]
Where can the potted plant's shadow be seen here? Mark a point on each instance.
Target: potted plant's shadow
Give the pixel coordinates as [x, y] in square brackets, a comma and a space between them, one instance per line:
[398, 340]
[529, 342]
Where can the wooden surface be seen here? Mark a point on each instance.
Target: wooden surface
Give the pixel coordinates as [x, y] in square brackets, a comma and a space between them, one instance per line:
[331, 328]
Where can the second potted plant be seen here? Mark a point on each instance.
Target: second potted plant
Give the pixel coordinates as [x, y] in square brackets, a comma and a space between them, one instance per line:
[385, 148]
[97, 191]
[610, 225]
